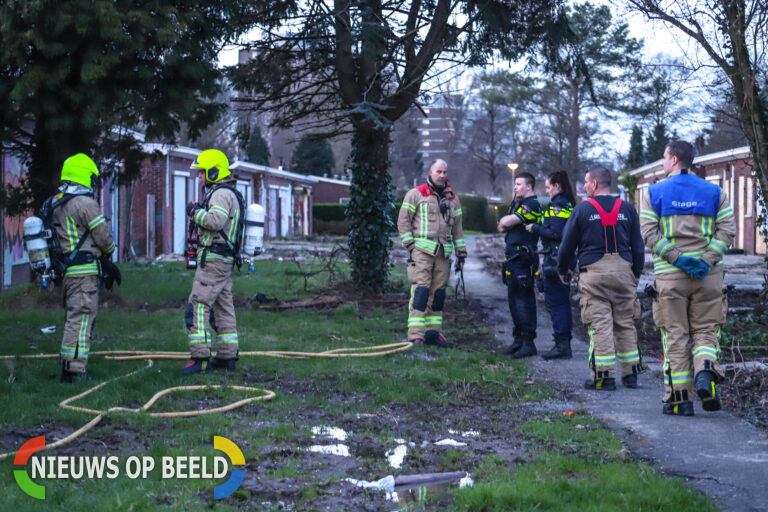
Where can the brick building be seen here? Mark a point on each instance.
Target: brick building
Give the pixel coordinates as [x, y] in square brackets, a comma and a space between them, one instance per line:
[732, 171]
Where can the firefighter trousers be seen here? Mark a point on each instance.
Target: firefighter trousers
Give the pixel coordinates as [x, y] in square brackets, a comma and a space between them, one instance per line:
[428, 276]
[689, 310]
[211, 308]
[81, 303]
[609, 307]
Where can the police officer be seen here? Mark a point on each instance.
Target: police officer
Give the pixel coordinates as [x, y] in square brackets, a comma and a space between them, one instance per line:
[521, 264]
[556, 294]
[688, 223]
[606, 231]
[430, 228]
[84, 234]
[210, 306]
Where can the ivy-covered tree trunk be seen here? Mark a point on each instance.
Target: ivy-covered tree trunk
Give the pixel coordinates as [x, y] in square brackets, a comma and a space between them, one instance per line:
[370, 207]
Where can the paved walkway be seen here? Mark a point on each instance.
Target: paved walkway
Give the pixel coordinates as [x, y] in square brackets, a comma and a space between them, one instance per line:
[716, 453]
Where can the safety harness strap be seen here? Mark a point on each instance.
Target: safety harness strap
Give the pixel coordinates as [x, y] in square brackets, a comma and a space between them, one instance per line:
[608, 220]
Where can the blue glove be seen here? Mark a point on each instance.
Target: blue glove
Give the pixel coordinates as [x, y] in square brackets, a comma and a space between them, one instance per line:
[702, 270]
[687, 264]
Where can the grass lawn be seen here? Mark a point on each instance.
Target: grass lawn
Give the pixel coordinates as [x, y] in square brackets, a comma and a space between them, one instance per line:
[362, 409]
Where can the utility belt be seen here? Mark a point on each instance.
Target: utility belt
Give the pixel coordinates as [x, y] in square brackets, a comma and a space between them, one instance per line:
[517, 272]
[515, 252]
[218, 249]
[81, 258]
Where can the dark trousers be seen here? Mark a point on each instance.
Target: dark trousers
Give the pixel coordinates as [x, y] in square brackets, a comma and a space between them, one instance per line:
[557, 299]
[521, 298]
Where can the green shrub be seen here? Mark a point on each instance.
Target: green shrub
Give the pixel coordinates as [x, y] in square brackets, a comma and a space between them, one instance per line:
[329, 212]
[475, 213]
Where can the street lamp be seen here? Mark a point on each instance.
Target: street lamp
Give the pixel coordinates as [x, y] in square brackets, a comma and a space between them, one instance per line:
[512, 166]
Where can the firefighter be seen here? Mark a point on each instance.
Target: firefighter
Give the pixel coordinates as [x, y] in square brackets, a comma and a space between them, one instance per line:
[430, 228]
[611, 256]
[688, 224]
[521, 264]
[556, 294]
[84, 234]
[210, 307]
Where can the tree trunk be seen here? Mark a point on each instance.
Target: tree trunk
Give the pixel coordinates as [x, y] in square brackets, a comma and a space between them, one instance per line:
[574, 131]
[371, 207]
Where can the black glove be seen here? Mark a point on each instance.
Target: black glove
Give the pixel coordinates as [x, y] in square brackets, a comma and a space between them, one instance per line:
[192, 208]
[459, 263]
[110, 273]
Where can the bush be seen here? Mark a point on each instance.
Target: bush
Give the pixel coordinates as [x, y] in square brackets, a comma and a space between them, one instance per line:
[330, 212]
[476, 216]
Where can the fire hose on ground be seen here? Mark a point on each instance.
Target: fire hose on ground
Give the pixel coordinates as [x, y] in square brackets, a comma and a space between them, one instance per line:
[261, 395]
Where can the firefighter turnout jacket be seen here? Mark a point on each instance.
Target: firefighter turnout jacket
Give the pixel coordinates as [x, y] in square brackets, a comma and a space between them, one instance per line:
[219, 215]
[685, 215]
[79, 217]
[429, 219]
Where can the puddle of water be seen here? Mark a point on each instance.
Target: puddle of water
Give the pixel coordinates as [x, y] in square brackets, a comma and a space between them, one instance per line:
[330, 449]
[328, 431]
[435, 490]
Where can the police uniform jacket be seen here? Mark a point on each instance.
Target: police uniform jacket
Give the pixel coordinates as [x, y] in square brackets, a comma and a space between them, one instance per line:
[553, 222]
[72, 221]
[584, 230]
[220, 214]
[528, 210]
[685, 215]
[429, 219]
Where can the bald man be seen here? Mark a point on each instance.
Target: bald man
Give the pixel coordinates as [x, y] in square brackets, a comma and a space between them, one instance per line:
[430, 228]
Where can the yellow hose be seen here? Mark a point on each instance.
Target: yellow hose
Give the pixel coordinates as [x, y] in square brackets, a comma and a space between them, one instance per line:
[127, 355]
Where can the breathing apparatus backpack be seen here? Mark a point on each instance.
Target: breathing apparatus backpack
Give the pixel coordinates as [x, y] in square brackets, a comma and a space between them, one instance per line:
[233, 246]
[46, 254]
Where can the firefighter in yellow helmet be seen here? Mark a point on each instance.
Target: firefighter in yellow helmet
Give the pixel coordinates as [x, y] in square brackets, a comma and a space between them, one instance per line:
[85, 236]
[210, 307]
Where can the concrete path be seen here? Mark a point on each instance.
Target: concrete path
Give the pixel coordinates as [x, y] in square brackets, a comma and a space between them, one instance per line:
[716, 453]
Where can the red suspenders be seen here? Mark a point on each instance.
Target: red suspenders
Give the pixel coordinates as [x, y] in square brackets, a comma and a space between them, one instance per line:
[608, 220]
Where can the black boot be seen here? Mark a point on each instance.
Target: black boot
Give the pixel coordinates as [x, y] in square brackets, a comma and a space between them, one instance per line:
[197, 366]
[528, 349]
[680, 409]
[561, 350]
[514, 347]
[705, 388]
[602, 384]
[72, 377]
[223, 364]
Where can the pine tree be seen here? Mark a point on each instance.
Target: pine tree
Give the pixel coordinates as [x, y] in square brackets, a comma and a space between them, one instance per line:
[257, 149]
[313, 155]
[636, 156]
[656, 142]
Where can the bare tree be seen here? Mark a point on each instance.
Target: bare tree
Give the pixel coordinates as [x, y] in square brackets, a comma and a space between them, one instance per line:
[734, 35]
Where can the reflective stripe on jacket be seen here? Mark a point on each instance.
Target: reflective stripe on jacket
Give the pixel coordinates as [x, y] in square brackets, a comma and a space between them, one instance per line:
[424, 227]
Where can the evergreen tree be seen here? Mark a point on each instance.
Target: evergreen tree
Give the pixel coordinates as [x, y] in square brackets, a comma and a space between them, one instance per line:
[636, 156]
[313, 155]
[74, 71]
[257, 149]
[656, 142]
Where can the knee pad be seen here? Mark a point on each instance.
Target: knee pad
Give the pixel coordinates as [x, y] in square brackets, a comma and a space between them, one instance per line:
[439, 300]
[420, 298]
[189, 315]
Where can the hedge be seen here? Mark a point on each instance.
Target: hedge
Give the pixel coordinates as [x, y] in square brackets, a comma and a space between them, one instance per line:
[329, 212]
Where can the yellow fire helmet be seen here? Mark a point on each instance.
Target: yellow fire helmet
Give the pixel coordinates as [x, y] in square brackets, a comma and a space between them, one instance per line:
[78, 169]
[214, 163]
